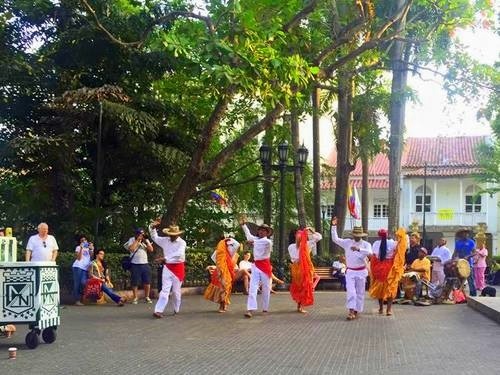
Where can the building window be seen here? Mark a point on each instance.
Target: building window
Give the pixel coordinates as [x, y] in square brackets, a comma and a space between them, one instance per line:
[472, 199]
[419, 199]
[380, 210]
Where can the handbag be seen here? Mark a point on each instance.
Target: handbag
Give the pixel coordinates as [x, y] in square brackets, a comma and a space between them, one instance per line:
[93, 289]
[127, 261]
[458, 296]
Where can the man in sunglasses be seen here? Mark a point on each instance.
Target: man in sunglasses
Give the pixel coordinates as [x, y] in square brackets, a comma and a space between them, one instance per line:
[42, 247]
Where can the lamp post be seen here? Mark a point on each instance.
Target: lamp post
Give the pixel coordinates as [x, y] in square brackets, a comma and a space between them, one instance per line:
[282, 167]
[324, 208]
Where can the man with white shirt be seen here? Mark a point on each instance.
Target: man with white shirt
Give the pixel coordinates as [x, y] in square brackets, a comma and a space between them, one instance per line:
[262, 270]
[442, 254]
[42, 247]
[356, 251]
[174, 255]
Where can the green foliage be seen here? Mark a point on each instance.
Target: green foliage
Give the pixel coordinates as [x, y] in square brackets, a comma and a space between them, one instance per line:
[196, 275]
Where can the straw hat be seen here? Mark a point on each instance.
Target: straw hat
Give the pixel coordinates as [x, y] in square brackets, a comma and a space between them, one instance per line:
[358, 232]
[267, 228]
[173, 230]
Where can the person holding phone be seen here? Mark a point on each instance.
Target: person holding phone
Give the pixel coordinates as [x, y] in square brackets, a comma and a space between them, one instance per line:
[83, 255]
[140, 271]
[356, 251]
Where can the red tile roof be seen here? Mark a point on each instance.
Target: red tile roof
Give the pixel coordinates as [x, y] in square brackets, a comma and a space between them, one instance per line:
[444, 156]
[442, 151]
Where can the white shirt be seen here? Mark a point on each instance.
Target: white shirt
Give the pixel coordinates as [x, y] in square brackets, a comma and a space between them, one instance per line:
[293, 250]
[391, 248]
[444, 254]
[84, 261]
[173, 252]
[41, 250]
[141, 254]
[245, 265]
[262, 247]
[338, 267]
[354, 259]
[232, 247]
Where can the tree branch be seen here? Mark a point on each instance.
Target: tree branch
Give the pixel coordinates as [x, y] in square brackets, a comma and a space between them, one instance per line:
[308, 9]
[400, 14]
[219, 185]
[245, 138]
[162, 20]
[443, 75]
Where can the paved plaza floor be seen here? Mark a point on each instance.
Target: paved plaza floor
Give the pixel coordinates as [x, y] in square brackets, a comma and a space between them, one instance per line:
[453, 339]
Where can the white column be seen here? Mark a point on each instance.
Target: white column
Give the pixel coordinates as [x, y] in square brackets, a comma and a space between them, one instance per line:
[434, 201]
[410, 194]
[461, 201]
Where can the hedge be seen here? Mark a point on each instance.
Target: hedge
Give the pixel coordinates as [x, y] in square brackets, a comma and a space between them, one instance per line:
[196, 262]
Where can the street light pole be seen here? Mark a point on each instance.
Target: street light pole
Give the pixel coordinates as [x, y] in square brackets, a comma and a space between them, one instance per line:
[324, 208]
[283, 156]
[282, 167]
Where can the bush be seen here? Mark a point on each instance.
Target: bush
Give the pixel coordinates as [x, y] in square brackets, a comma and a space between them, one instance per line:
[196, 262]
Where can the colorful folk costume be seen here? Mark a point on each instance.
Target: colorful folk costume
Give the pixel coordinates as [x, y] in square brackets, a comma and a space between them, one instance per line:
[262, 270]
[174, 253]
[302, 269]
[356, 251]
[221, 279]
[387, 267]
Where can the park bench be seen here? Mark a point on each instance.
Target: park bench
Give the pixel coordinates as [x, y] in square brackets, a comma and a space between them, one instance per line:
[325, 275]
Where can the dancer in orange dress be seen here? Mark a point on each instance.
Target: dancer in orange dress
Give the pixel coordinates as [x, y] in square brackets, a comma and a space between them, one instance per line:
[221, 283]
[387, 267]
[301, 268]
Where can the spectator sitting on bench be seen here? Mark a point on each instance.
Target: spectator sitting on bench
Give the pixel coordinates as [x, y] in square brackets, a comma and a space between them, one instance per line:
[339, 269]
[243, 270]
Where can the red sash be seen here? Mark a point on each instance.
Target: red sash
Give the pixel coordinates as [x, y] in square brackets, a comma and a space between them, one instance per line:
[265, 266]
[356, 268]
[177, 269]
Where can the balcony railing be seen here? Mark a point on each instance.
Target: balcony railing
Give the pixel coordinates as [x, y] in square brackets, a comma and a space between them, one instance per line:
[446, 218]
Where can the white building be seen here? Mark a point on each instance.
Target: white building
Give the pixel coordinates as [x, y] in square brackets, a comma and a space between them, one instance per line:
[442, 167]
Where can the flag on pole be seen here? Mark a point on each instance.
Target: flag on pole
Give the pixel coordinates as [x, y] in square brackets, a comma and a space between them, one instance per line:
[219, 197]
[353, 202]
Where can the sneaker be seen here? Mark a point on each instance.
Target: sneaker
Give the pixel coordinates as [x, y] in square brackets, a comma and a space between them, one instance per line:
[78, 303]
[134, 301]
[147, 300]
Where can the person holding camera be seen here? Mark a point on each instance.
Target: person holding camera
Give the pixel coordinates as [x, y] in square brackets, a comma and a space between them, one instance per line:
[83, 254]
[139, 247]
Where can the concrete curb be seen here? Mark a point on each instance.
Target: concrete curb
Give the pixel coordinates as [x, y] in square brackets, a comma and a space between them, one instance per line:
[488, 306]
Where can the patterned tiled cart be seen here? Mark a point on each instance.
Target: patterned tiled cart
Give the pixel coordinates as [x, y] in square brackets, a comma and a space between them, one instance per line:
[29, 294]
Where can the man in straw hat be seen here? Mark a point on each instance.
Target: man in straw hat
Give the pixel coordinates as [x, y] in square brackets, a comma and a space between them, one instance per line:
[356, 252]
[174, 254]
[262, 271]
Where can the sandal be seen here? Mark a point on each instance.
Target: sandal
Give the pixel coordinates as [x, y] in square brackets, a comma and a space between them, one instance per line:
[248, 314]
[157, 315]
[351, 317]
[388, 313]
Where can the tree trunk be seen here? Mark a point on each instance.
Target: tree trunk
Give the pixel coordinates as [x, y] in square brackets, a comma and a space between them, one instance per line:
[318, 224]
[299, 186]
[344, 147]
[397, 120]
[364, 192]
